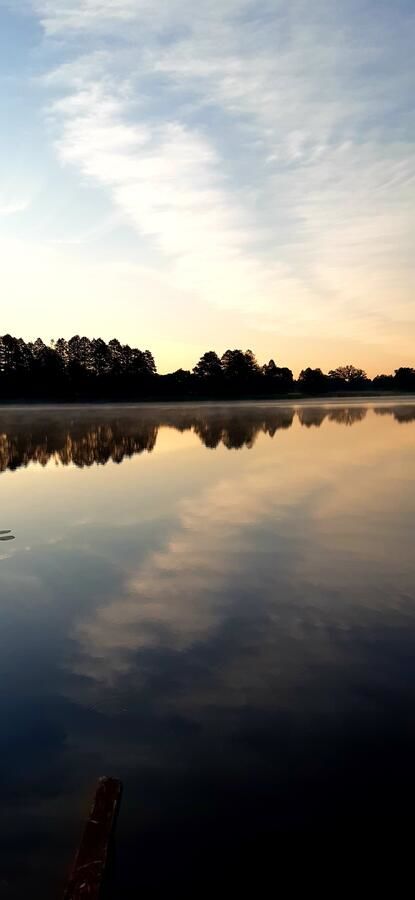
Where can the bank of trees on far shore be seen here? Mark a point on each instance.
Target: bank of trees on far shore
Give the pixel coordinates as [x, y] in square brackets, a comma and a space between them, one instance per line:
[84, 369]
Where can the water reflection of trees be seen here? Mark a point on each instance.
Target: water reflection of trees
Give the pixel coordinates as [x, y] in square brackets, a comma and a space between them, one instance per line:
[99, 435]
[240, 429]
[348, 415]
[80, 442]
[399, 413]
[310, 416]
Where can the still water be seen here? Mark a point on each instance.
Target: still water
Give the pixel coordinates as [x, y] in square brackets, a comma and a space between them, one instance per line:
[215, 604]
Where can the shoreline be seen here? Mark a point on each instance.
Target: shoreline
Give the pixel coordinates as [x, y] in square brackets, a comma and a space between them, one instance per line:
[281, 400]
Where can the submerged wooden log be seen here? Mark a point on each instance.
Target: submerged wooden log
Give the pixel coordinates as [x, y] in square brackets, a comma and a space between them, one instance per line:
[87, 879]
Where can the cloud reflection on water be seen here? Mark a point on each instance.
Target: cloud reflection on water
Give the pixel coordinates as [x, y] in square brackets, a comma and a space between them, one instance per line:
[298, 522]
[225, 631]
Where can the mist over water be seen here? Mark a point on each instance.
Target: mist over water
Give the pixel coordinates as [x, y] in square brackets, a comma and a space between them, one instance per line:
[84, 437]
[215, 604]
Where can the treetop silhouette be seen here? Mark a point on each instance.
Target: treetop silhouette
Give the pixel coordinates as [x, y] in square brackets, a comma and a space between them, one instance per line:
[86, 370]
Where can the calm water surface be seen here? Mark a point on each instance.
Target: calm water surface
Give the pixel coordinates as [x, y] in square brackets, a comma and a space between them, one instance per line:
[215, 604]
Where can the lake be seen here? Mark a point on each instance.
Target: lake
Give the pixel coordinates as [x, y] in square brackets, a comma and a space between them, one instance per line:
[215, 604]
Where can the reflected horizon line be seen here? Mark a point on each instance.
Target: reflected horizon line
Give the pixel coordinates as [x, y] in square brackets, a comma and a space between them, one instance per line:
[85, 439]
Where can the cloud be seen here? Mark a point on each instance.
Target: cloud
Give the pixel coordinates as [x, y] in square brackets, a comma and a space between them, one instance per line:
[12, 202]
[10, 209]
[167, 181]
[263, 154]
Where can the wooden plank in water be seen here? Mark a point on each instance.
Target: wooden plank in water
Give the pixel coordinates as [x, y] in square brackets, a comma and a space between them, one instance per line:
[88, 873]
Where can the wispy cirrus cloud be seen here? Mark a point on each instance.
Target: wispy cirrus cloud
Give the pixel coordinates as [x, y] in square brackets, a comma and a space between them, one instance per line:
[167, 179]
[10, 209]
[15, 198]
[264, 154]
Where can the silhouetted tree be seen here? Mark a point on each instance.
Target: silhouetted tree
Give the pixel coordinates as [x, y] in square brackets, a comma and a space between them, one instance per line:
[16, 362]
[116, 357]
[101, 357]
[383, 383]
[405, 379]
[270, 369]
[150, 363]
[348, 377]
[251, 362]
[279, 379]
[209, 366]
[62, 349]
[312, 381]
[14, 356]
[80, 368]
[48, 371]
[5, 354]
[240, 365]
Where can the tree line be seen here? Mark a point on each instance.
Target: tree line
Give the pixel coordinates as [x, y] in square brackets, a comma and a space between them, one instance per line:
[84, 369]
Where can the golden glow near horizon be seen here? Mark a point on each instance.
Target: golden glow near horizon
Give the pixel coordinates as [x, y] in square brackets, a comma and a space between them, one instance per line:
[212, 177]
[214, 501]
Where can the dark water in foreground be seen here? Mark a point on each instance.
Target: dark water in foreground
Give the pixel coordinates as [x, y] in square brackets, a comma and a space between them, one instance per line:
[217, 605]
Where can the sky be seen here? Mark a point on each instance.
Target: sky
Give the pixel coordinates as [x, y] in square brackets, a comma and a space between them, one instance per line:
[190, 176]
